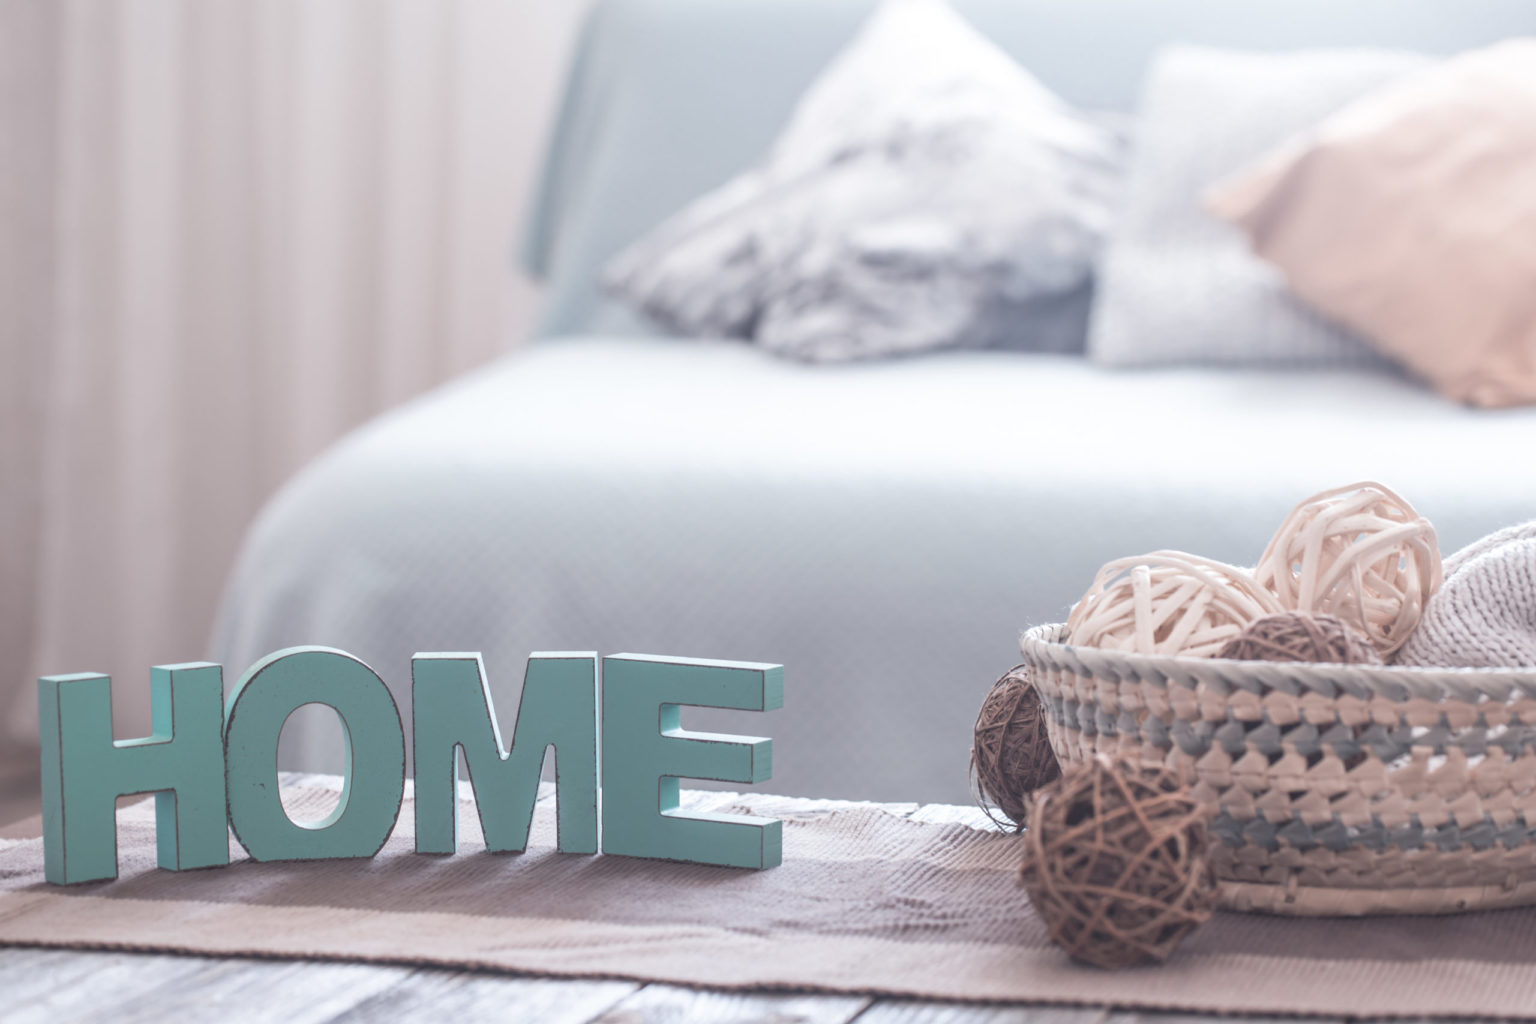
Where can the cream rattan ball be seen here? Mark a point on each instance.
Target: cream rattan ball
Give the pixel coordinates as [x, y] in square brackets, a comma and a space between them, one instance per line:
[1168, 602]
[1360, 553]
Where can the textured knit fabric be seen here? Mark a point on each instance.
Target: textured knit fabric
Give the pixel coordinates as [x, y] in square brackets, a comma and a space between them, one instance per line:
[1484, 614]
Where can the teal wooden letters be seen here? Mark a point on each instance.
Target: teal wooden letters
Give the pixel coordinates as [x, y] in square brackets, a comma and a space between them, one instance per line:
[452, 711]
[641, 767]
[84, 772]
[212, 770]
[373, 782]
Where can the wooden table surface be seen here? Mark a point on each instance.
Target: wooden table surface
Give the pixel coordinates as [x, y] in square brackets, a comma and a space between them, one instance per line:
[47, 985]
[38, 985]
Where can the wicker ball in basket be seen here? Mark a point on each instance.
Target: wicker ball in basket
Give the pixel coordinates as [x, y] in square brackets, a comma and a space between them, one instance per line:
[1333, 789]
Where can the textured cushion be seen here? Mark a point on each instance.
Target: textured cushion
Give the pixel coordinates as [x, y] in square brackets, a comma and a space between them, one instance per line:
[1178, 284]
[1484, 614]
[668, 99]
[927, 193]
[1411, 216]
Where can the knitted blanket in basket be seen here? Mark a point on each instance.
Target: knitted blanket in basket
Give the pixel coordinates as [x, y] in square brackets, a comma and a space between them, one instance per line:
[1484, 614]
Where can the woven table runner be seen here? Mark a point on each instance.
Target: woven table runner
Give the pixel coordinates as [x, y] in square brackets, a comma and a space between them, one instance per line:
[867, 901]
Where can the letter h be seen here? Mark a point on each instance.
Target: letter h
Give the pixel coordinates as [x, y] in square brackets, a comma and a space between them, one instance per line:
[84, 772]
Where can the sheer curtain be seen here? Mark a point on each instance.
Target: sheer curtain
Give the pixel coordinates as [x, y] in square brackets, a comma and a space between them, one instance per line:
[229, 231]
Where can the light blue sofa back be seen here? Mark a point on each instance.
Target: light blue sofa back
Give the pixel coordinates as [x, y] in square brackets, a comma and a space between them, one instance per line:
[667, 99]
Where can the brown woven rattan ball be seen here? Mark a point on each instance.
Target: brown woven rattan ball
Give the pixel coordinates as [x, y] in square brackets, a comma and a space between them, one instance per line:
[1116, 862]
[1011, 755]
[1299, 636]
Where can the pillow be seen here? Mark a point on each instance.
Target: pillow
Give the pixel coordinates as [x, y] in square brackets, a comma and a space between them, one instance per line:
[927, 193]
[1411, 216]
[1177, 285]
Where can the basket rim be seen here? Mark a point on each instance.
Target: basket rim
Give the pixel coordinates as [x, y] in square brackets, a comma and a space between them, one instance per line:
[1397, 682]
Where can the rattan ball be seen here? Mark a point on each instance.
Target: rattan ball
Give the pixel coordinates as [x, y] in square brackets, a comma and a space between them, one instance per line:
[1011, 754]
[1360, 553]
[1299, 636]
[1167, 602]
[1116, 862]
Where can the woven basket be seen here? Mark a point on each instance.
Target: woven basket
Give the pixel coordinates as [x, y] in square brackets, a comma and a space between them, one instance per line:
[1335, 790]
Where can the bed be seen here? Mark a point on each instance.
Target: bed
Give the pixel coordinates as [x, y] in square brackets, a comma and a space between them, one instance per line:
[884, 530]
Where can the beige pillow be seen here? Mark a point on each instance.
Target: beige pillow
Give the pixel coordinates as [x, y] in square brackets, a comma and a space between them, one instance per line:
[1410, 216]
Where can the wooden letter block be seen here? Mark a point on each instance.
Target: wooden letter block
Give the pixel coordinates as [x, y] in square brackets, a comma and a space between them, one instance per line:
[374, 777]
[452, 709]
[84, 772]
[642, 764]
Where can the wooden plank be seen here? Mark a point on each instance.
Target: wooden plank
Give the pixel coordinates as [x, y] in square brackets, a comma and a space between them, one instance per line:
[975, 817]
[430, 994]
[78, 985]
[28, 974]
[911, 1011]
[1149, 1017]
[667, 1004]
[234, 990]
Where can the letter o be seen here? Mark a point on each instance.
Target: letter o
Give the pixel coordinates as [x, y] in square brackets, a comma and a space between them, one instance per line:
[373, 783]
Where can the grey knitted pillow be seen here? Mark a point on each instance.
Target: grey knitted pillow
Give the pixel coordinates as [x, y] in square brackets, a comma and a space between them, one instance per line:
[927, 193]
[1484, 614]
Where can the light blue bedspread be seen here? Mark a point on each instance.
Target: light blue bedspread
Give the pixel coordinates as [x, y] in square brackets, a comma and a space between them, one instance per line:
[885, 531]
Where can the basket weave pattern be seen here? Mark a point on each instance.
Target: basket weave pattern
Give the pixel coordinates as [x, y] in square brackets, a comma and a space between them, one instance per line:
[1333, 789]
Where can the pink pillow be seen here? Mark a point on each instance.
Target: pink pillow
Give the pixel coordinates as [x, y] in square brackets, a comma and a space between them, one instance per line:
[1410, 216]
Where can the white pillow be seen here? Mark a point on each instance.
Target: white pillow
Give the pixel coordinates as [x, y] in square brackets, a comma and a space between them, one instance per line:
[1178, 285]
[927, 193]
